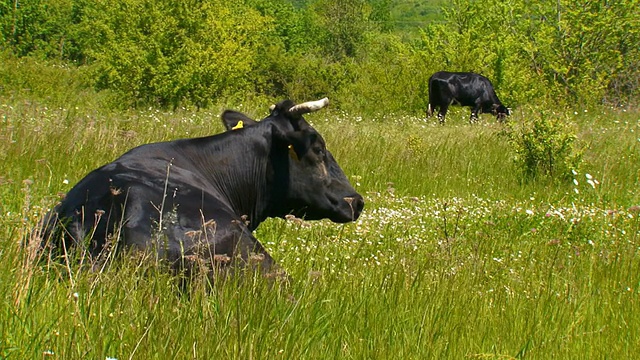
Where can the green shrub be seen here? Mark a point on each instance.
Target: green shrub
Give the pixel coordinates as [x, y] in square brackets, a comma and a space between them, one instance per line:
[545, 146]
[565, 52]
[165, 52]
[46, 29]
[159, 52]
[385, 79]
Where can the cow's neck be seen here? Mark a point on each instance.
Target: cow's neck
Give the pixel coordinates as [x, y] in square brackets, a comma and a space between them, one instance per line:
[238, 174]
[248, 191]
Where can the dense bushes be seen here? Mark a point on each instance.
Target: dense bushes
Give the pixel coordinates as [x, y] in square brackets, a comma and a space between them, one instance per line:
[167, 53]
[566, 51]
[42, 28]
[545, 146]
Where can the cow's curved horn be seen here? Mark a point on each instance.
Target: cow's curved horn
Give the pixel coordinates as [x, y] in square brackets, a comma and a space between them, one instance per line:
[309, 106]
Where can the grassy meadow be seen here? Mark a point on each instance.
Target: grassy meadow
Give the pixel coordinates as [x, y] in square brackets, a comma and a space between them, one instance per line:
[455, 255]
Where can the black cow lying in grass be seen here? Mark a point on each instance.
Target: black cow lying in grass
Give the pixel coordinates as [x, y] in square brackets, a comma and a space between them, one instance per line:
[201, 198]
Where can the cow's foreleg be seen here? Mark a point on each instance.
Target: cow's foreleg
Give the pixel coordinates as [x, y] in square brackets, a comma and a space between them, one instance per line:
[442, 113]
[474, 114]
[235, 250]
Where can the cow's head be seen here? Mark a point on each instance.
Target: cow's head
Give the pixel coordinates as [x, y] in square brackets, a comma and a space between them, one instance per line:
[307, 180]
[501, 112]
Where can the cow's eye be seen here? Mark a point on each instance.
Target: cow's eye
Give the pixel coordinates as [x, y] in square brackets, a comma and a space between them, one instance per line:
[319, 151]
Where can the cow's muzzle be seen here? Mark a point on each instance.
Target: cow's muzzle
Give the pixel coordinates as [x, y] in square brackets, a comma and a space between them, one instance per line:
[356, 203]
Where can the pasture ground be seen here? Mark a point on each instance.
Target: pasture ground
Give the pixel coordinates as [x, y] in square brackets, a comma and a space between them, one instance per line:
[455, 256]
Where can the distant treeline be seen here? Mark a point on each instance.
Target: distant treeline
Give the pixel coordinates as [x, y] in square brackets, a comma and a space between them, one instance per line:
[358, 52]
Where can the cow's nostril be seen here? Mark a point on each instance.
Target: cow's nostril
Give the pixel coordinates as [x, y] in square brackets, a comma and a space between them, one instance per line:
[356, 203]
[349, 200]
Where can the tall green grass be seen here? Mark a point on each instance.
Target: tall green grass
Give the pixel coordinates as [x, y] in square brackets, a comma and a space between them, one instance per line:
[454, 256]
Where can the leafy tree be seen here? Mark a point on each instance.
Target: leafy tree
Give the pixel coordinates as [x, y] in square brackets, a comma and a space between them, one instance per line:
[45, 28]
[381, 15]
[166, 52]
[343, 23]
[386, 78]
[574, 51]
[585, 48]
[292, 25]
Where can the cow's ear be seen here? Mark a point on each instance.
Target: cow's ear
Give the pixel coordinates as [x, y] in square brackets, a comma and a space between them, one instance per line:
[232, 120]
[297, 142]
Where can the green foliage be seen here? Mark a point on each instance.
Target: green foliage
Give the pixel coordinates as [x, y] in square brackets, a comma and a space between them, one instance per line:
[545, 146]
[297, 29]
[165, 52]
[483, 37]
[380, 15]
[585, 49]
[307, 76]
[409, 16]
[344, 24]
[564, 52]
[44, 28]
[156, 52]
[385, 80]
[53, 84]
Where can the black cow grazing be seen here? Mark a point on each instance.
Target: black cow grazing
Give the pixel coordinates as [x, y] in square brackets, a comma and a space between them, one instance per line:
[200, 199]
[464, 89]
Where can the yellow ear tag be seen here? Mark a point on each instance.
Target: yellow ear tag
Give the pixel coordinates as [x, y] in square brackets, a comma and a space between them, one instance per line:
[292, 153]
[239, 125]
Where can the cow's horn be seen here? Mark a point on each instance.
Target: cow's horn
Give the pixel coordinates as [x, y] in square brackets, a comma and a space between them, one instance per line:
[309, 106]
